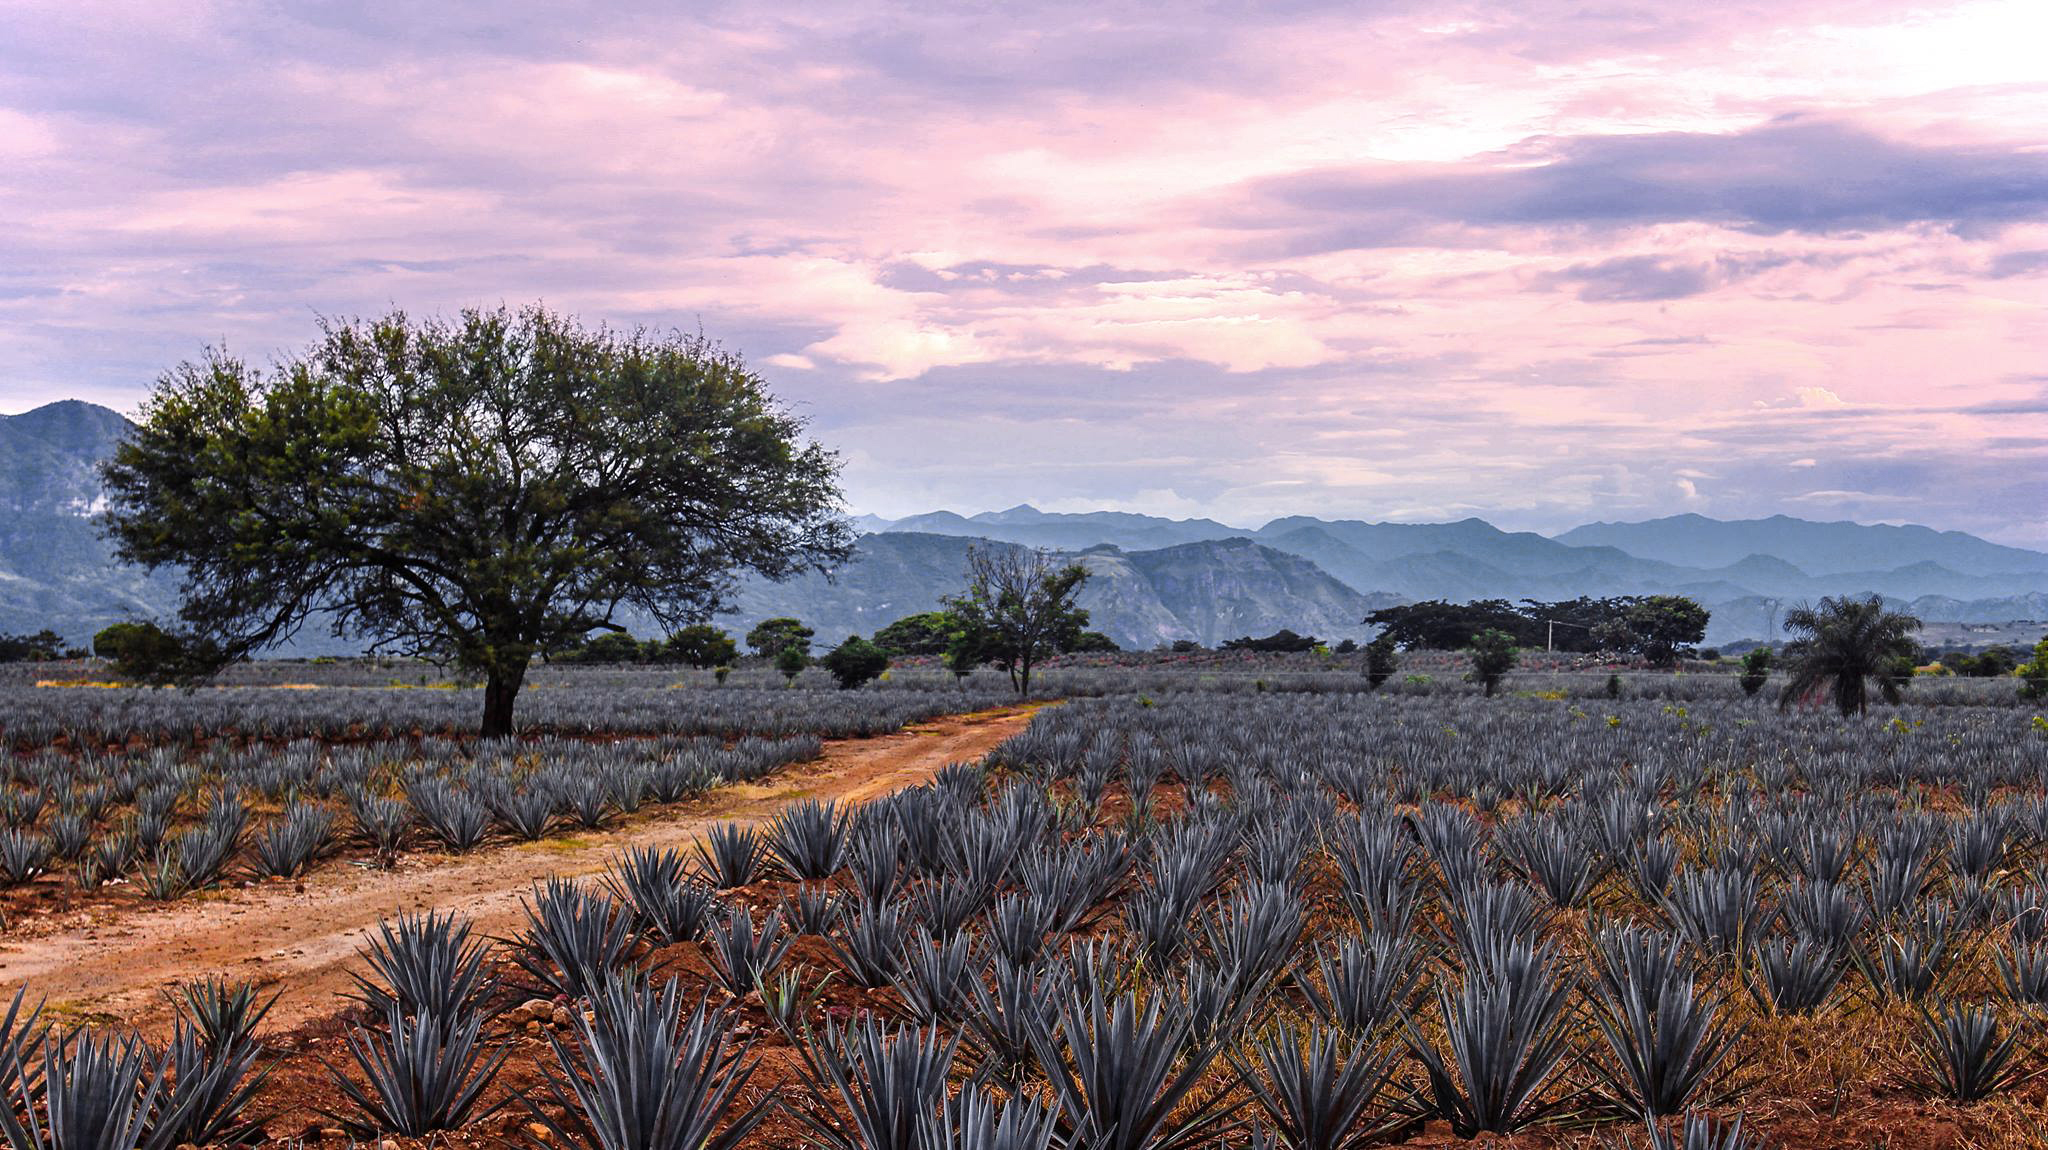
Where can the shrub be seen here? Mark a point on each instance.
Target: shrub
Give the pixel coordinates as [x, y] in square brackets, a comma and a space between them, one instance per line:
[855, 662]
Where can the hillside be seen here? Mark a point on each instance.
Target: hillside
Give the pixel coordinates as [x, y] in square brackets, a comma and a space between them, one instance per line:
[55, 570]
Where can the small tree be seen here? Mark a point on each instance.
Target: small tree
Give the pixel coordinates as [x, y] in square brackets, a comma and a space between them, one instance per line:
[480, 490]
[963, 654]
[791, 661]
[1019, 607]
[1842, 645]
[1665, 627]
[2034, 675]
[1381, 661]
[771, 637]
[1756, 670]
[1494, 654]
[855, 662]
[700, 645]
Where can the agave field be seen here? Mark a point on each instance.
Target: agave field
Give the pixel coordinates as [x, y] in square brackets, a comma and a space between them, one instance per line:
[33, 717]
[1261, 916]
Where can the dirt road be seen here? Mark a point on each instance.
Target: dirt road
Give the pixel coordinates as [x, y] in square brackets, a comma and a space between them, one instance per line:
[300, 942]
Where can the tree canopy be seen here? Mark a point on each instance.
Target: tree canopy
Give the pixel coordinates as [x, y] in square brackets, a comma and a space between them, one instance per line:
[1658, 628]
[771, 637]
[478, 490]
[1842, 644]
[927, 633]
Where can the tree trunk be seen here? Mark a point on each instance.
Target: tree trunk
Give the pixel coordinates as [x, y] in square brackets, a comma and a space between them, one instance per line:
[1024, 677]
[501, 690]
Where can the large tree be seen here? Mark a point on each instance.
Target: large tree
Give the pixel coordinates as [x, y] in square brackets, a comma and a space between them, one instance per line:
[1019, 608]
[478, 490]
[1841, 645]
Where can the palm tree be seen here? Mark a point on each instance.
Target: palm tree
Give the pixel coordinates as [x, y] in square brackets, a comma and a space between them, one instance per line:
[1844, 643]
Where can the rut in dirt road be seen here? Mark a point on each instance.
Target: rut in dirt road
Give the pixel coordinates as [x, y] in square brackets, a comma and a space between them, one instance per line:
[300, 943]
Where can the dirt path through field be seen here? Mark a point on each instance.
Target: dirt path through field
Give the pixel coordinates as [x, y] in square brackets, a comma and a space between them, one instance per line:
[299, 942]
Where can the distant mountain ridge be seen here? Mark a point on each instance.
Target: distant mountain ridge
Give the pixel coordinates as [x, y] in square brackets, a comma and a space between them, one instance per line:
[1206, 591]
[1155, 579]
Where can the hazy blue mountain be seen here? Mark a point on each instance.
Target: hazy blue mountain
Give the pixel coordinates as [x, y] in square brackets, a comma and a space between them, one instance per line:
[1207, 591]
[55, 570]
[1816, 548]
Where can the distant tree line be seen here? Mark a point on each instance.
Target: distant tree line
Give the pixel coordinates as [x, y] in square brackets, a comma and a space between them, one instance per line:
[44, 646]
[1658, 628]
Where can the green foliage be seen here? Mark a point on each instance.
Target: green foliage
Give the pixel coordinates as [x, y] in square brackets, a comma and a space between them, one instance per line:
[1381, 661]
[610, 647]
[1282, 640]
[963, 654]
[2034, 675]
[855, 662]
[1018, 609]
[1346, 647]
[1658, 628]
[142, 652]
[791, 661]
[1088, 641]
[44, 646]
[1494, 654]
[771, 637]
[1842, 644]
[929, 633]
[1443, 626]
[700, 645]
[1990, 663]
[1756, 670]
[478, 490]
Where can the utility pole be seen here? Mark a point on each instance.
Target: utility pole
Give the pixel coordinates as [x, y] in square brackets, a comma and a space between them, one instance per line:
[1550, 635]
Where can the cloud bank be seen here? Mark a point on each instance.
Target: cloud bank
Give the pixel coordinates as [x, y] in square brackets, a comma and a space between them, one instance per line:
[1550, 263]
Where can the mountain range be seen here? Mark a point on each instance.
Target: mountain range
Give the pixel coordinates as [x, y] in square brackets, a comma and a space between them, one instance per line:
[1153, 579]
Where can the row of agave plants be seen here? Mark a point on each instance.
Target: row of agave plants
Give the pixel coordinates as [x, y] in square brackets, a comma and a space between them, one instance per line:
[173, 823]
[1272, 922]
[36, 717]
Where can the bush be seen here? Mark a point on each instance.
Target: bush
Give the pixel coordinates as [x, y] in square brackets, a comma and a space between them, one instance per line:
[140, 652]
[1756, 670]
[855, 662]
[2034, 675]
[700, 646]
[1381, 661]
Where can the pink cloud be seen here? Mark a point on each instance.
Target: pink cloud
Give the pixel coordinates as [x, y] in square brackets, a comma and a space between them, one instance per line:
[1544, 256]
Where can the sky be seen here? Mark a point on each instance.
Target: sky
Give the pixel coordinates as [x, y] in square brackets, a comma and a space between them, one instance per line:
[1545, 262]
